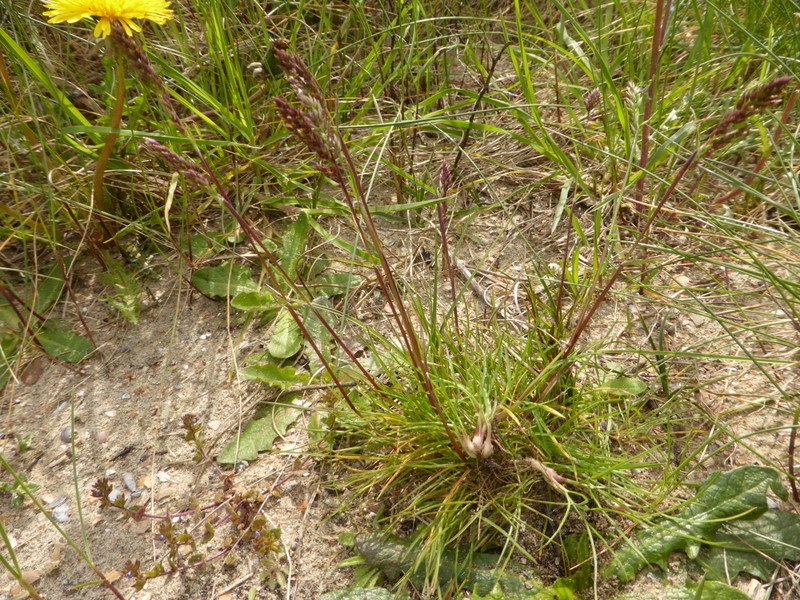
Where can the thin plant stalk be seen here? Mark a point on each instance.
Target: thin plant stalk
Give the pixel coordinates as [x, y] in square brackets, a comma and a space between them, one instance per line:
[312, 125]
[14, 569]
[388, 284]
[390, 288]
[791, 450]
[659, 29]
[98, 189]
[85, 557]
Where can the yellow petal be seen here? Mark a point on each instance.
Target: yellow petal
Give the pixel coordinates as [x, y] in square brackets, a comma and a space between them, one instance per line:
[122, 11]
[103, 28]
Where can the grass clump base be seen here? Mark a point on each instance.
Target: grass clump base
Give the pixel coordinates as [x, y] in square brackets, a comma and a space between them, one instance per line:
[544, 460]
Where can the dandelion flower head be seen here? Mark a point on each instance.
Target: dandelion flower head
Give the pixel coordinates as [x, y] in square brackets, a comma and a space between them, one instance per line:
[122, 11]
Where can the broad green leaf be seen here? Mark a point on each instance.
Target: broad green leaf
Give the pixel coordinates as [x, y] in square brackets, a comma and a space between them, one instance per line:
[256, 359]
[335, 284]
[224, 281]
[624, 386]
[294, 244]
[199, 246]
[753, 546]
[269, 245]
[7, 316]
[259, 434]
[62, 344]
[49, 290]
[735, 495]
[482, 574]
[577, 553]
[286, 338]
[257, 301]
[273, 375]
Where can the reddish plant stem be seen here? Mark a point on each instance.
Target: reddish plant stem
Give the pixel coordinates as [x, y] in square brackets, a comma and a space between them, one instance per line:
[792, 442]
[444, 223]
[271, 267]
[588, 312]
[388, 283]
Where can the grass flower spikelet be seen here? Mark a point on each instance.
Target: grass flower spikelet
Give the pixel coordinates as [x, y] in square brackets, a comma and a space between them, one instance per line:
[122, 11]
[177, 163]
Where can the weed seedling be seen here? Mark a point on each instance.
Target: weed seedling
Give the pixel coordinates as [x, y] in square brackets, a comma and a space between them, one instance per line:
[236, 517]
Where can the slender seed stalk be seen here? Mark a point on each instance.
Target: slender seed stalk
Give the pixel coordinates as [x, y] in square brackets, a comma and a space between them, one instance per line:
[312, 125]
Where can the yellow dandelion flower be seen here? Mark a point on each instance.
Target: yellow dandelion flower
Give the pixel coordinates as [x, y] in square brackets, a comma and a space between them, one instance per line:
[122, 11]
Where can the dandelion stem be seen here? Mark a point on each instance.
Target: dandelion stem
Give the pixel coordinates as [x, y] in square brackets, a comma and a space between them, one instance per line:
[98, 199]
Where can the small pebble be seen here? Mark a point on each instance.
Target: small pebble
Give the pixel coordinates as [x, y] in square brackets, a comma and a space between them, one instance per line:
[61, 513]
[66, 434]
[130, 481]
[102, 437]
[56, 503]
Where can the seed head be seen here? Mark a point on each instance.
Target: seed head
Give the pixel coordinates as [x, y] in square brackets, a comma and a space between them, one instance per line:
[764, 95]
[750, 103]
[445, 178]
[591, 99]
[308, 121]
[184, 166]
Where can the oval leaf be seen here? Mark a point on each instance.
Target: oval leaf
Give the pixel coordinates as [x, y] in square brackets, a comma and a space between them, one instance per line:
[258, 436]
[273, 375]
[624, 386]
[254, 301]
[286, 337]
[224, 281]
[63, 344]
[294, 244]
